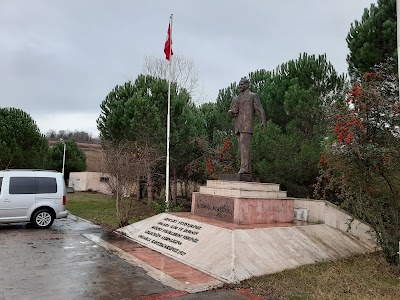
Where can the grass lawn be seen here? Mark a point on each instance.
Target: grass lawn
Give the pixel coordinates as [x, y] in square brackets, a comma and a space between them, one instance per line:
[100, 209]
[366, 277]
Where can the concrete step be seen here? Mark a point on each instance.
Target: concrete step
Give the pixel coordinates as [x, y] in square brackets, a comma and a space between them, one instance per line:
[242, 185]
[243, 193]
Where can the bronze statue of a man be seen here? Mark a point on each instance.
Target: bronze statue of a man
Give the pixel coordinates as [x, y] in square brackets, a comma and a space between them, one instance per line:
[243, 108]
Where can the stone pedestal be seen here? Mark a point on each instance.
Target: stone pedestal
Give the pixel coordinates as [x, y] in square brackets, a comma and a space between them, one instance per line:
[236, 177]
[242, 202]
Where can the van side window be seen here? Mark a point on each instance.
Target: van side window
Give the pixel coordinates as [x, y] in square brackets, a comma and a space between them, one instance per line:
[46, 185]
[22, 185]
[1, 183]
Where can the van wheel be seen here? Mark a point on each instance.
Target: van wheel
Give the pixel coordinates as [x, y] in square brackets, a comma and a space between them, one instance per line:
[42, 219]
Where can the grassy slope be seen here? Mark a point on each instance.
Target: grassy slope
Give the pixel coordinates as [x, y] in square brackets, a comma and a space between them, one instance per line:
[365, 277]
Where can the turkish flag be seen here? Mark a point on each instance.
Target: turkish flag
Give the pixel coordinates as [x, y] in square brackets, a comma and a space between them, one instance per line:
[167, 48]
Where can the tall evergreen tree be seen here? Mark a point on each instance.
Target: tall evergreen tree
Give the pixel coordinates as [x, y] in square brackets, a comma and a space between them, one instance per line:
[75, 158]
[21, 143]
[295, 97]
[373, 39]
[138, 112]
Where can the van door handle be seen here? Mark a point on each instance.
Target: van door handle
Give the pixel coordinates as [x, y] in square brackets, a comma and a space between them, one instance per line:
[6, 200]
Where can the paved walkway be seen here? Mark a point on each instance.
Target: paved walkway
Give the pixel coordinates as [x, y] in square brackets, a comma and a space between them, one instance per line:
[62, 263]
[162, 268]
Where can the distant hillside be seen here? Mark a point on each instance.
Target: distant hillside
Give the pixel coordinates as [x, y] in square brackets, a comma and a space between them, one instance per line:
[93, 154]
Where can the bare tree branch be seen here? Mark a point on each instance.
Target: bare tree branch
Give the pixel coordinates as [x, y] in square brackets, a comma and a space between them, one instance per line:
[120, 162]
[127, 162]
[183, 72]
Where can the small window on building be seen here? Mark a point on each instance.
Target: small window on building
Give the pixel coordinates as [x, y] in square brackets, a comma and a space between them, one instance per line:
[105, 179]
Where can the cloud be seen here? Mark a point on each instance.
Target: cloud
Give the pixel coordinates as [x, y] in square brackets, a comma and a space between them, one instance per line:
[61, 58]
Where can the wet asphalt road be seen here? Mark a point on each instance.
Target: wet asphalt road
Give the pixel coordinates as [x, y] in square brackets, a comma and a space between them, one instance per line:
[60, 263]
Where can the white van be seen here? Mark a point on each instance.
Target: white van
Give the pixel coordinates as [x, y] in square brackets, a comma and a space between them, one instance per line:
[34, 196]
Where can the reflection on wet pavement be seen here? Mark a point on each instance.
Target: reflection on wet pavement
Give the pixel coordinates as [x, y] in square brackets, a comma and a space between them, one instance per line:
[60, 263]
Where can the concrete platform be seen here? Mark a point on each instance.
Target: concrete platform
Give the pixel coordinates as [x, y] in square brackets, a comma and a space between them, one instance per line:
[243, 193]
[240, 185]
[232, 252]
[243, 189]
[236, 177]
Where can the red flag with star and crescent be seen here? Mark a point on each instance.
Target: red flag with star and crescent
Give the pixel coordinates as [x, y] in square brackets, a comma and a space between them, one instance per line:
[168, 48]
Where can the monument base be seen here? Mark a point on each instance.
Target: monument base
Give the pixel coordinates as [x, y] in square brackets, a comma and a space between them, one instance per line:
[243, 210]
[238, 230]
[236, 177]
[232, 253]
[243, 202]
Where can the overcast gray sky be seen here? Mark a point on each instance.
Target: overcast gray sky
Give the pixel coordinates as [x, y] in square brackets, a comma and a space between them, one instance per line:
[60, 58]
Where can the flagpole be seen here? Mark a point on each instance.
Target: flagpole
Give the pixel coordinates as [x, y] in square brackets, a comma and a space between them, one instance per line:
[398, 44]
[168, 119]
[398, 64]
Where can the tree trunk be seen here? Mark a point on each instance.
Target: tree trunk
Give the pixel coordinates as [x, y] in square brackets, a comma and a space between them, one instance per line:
[150, 195]
[138, 189]
[187, 186]
[117, 207]
[174, 187]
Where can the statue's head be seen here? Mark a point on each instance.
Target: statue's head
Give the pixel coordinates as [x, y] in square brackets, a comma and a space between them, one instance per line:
[244, 84]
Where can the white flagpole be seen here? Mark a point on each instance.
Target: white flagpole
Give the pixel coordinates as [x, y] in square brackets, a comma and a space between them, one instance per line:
[398, 65]
[168, 118]
[398, 42]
